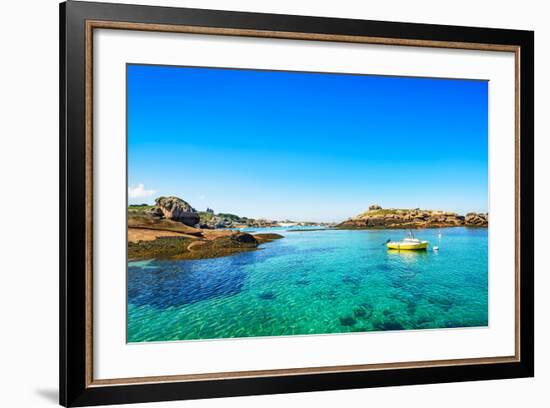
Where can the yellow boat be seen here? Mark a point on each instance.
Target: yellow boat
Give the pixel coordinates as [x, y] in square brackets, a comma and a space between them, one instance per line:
[410, 243]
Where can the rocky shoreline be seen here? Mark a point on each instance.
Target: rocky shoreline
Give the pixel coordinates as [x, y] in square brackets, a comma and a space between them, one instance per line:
[174, 208]
[171, 229]
[174, 229]
[182, 246]
[393, 218]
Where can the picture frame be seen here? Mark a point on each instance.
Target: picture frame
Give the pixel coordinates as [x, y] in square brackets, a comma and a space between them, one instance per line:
[79, 21]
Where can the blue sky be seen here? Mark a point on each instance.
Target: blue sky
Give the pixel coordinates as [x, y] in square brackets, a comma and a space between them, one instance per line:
[306, 146]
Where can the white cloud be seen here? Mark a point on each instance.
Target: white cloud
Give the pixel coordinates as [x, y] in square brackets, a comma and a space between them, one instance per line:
[139, 192]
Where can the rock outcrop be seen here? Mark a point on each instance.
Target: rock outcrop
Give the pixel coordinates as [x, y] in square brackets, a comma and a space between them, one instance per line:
[155, 212]
[476, 219]
[169, 230]
[226, 220]
[377, 217]
[174, 208]
[208, 244]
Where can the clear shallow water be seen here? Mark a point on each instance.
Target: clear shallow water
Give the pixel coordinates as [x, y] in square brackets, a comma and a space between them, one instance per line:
[314, 282]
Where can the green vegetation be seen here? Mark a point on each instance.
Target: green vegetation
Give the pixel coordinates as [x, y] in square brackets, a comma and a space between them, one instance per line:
[208, 217]
[197, 248]
[136, 208]
[181, 248]
[232, 217]
[377, 217]
[158, 248]
[205, 217]
[154, 232]
[385, 211]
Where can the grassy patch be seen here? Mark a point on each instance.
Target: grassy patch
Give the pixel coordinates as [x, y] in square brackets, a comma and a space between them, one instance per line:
[162, 247]
[181, 248]
[385, 211]
[140, 207]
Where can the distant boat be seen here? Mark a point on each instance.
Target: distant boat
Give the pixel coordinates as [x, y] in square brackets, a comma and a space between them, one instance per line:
[410, 243]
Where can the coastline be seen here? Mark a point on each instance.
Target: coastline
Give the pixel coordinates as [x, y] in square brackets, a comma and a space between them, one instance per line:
[407, 226]
[162, 244]
[395, 218]
[173, 229]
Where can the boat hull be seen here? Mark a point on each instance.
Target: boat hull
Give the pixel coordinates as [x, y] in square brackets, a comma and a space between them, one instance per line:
[421, 246]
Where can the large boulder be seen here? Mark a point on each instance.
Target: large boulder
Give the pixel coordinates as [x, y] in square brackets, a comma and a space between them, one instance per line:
[235, 240]
[174, 208]
[155, 212]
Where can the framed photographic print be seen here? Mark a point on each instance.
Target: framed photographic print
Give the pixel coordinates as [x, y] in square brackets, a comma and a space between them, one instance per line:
[256, 203]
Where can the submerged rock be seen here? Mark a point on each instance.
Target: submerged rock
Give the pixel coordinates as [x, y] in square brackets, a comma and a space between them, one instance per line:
[267, 237]
[303, 282]
[347, 321]
[351, 280]
[363, 311]
[235, 240]
[388, 325]
[358, 312]
[267, 296]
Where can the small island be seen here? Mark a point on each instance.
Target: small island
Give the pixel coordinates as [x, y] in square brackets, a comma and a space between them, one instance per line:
[393, 218]
[173, 229]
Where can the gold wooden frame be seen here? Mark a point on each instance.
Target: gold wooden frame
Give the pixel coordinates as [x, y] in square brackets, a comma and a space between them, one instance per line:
[98, 24]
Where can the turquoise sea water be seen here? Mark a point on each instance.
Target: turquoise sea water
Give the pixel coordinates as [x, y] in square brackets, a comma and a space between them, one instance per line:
[315, 282]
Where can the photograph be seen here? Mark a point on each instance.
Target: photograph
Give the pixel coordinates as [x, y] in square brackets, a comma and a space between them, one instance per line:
[268, 203]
